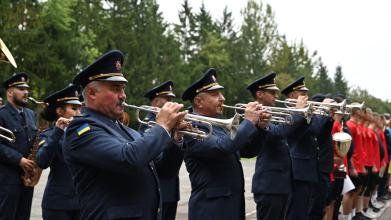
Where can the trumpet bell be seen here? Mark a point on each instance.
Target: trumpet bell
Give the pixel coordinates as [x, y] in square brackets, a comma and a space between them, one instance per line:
[5, 54]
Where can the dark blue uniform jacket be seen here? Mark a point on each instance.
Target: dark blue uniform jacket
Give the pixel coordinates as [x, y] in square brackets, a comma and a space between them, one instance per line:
[273, 167]
[60, 194]
[167, 166]
[303, 148]
[111, 168]
[12, 153]
[216, 173]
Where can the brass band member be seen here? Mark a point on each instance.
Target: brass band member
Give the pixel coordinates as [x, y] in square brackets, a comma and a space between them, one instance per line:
[272, 178]
[213, 164]
[15, 198]
[169, 163]
[303, 150]
[111, 164]
[59, 199]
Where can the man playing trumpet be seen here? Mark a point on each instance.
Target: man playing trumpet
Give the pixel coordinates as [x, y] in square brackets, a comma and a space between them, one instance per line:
[272, 179]
[304, 152]
[111, 164]
[213, 164]
[59, 200]
[169, 163]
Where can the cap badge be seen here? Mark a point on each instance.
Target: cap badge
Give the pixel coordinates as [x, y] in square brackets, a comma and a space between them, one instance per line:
[118, 65]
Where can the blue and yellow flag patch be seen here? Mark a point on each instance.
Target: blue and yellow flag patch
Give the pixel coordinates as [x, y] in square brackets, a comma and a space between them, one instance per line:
[83, 129]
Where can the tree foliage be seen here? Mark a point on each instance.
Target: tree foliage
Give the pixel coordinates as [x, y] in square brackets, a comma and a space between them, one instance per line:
[53, 40]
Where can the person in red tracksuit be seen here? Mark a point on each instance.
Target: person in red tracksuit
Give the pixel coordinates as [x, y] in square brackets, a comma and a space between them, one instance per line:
[351, 201]
[372, 162]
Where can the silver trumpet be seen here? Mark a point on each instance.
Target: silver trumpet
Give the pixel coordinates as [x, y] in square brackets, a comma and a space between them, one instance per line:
[279, 115]
[351, 106]
[7, 135]
[231, 124]
[317, 108]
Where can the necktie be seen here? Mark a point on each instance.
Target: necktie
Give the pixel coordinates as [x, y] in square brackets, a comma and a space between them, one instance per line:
[24, 125]
[23, 117]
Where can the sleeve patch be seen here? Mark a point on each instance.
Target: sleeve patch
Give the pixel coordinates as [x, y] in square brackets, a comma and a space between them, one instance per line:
[83, 129]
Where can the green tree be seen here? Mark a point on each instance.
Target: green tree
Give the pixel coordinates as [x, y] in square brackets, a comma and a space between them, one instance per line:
[324, 83]
[340, 84]
[258, 34]
[186, 31]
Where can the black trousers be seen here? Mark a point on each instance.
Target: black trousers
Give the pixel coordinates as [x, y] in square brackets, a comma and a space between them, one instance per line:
[319, 193]
[169, 210]
[271, 206]
[15, 202]
[299, 201]
[53, 214]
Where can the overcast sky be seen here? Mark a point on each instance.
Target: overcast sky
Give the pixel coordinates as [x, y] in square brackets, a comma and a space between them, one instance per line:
[355, 34]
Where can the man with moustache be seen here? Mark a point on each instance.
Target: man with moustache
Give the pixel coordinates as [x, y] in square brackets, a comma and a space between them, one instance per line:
[111, 165]
[15, 198]
[213, 163]
[170, 161]
[272, 180]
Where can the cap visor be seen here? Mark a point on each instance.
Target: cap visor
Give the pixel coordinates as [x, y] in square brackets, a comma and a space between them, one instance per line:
[23, 86]
[274, 88]
[115, 79]
[170, 95]
[216, 87]
[73, 102]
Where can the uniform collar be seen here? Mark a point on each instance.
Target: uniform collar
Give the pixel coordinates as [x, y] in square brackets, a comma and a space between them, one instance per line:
[12, 109]
[89, 111]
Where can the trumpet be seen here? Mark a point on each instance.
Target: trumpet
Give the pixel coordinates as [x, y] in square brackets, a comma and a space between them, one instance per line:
[231, 124]
[279, 115]
[7, 135]
[5, 55]
[43, 104]
[354, 105]
[318, 108]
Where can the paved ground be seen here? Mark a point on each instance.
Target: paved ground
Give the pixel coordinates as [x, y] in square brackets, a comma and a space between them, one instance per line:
[248, 167]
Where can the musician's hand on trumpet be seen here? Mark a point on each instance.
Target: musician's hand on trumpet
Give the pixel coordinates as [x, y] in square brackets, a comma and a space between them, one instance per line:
[181, 126]
[252, 112]
[62, 123]
[264, 118]
[169, 116]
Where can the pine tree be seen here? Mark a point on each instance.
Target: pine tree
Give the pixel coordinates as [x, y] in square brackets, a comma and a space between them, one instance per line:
[323, 81]
[340, 84]
[186, 31]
